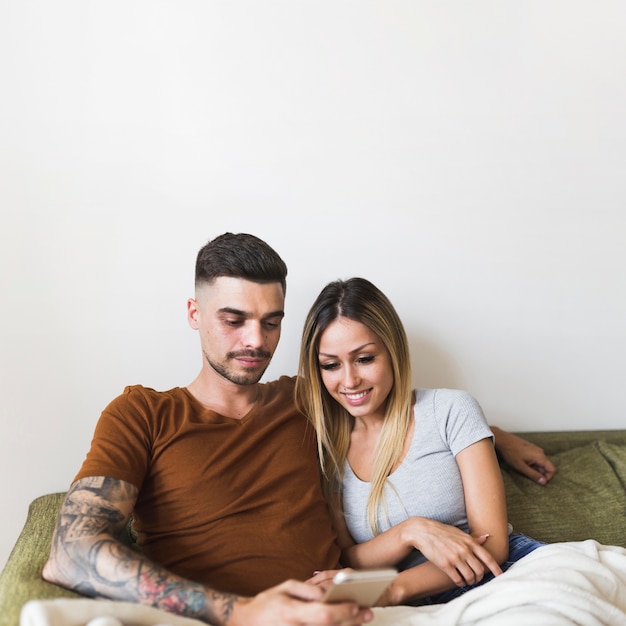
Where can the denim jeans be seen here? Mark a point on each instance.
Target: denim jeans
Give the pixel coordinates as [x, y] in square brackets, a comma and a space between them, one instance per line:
[519, 547]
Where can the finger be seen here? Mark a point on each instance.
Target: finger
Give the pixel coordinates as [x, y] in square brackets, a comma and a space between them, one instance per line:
[493, 567]
[362, 617]
[459, 570]
[487, 559]
[539, 476]
[545, 467]
[479, 569]
[323, 579]
[300, 590]
[328, 574]
[454, 575]
[338, 614]
[474, 571]
[530, 472]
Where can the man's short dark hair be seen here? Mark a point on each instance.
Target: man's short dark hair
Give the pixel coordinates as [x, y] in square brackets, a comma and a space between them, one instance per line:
[240, 256]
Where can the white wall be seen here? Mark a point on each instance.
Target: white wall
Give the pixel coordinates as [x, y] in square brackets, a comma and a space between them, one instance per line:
[468, 157]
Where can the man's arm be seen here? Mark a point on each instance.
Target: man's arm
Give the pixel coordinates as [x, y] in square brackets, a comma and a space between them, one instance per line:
[523, 456]
[88, 557]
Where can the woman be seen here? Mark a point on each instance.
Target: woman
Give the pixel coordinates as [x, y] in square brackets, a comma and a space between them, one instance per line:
[412, 476]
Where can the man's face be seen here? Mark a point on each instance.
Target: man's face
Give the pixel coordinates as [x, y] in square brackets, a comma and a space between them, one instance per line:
[239, 323]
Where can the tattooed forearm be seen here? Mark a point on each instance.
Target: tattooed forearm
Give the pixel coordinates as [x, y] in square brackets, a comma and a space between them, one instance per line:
[185, 598]
[87, 556]
[114, 571]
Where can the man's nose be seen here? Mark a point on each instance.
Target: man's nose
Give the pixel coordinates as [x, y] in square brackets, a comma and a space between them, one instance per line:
[253, 337]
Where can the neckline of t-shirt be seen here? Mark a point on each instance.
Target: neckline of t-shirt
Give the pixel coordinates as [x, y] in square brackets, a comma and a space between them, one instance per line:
[237, 420]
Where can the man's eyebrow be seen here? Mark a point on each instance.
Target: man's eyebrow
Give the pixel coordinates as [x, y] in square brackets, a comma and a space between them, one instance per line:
[232, 311]
[280, 313]
[239, 313]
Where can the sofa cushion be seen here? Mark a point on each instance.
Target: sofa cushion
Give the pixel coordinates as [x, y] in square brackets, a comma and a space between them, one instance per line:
[586, 499]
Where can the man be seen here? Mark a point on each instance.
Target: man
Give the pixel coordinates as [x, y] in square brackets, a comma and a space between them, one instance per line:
[221, 477]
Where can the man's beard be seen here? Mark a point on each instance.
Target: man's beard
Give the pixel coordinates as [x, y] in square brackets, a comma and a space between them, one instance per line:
[239, 378]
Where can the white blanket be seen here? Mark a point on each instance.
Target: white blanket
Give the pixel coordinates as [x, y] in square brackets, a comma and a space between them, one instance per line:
[582, 583]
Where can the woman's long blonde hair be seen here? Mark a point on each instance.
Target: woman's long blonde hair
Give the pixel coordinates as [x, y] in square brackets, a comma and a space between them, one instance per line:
[359, 300]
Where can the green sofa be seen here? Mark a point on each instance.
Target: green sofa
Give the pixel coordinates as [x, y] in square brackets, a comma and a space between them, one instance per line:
[585, 500]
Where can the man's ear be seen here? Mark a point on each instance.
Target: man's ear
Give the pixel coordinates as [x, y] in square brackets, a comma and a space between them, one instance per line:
[193, 313]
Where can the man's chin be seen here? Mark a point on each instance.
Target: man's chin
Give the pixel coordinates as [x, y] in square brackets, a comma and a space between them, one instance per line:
[250, 376]
[247, 379]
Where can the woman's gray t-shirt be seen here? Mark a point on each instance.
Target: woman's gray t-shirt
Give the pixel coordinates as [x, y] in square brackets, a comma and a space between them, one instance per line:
[428, 482]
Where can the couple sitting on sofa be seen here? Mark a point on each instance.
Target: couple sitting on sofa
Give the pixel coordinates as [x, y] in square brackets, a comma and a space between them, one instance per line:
[221, 555]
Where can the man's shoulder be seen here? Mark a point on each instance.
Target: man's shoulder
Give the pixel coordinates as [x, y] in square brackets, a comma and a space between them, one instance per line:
[284, 384]
[143, 398]
[279, 395]
[149, 392]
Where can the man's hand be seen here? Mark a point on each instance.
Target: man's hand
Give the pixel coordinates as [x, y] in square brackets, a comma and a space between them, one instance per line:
[523, 456]
[295, 603]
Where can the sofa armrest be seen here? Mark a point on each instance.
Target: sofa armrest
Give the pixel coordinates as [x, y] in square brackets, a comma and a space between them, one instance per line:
[21, 579]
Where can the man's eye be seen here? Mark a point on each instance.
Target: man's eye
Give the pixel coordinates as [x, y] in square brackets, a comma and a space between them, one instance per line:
[233, 322]
[271, 325]
[328, 366]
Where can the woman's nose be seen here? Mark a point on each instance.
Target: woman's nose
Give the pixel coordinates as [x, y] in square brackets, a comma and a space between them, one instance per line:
[350, 378]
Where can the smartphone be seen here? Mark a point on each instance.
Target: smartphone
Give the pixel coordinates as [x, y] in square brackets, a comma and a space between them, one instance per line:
[361, 586]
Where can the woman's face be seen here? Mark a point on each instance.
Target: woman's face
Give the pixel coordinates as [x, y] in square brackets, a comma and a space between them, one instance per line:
[355, 367]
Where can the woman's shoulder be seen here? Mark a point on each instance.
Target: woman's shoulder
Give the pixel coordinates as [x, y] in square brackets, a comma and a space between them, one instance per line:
[443, 397]
[456, 415]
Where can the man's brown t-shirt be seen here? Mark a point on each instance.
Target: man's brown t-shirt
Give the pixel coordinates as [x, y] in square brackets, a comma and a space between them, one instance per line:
[233, 504]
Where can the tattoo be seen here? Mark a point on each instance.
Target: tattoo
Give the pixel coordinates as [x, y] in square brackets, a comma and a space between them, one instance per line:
[92, 562]
[227, 601]
[92, 508]
[160, 589]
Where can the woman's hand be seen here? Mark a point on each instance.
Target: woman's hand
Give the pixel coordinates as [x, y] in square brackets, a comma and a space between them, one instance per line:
[459, 555]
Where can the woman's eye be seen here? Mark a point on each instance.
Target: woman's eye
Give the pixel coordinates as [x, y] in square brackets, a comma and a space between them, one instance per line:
[328, 366]
[365, 359]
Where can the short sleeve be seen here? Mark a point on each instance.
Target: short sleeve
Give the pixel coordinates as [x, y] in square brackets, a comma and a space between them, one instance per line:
[121, 446]
[460, 419]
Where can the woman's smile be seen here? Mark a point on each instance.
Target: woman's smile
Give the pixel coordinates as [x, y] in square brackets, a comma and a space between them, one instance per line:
[355, 398]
